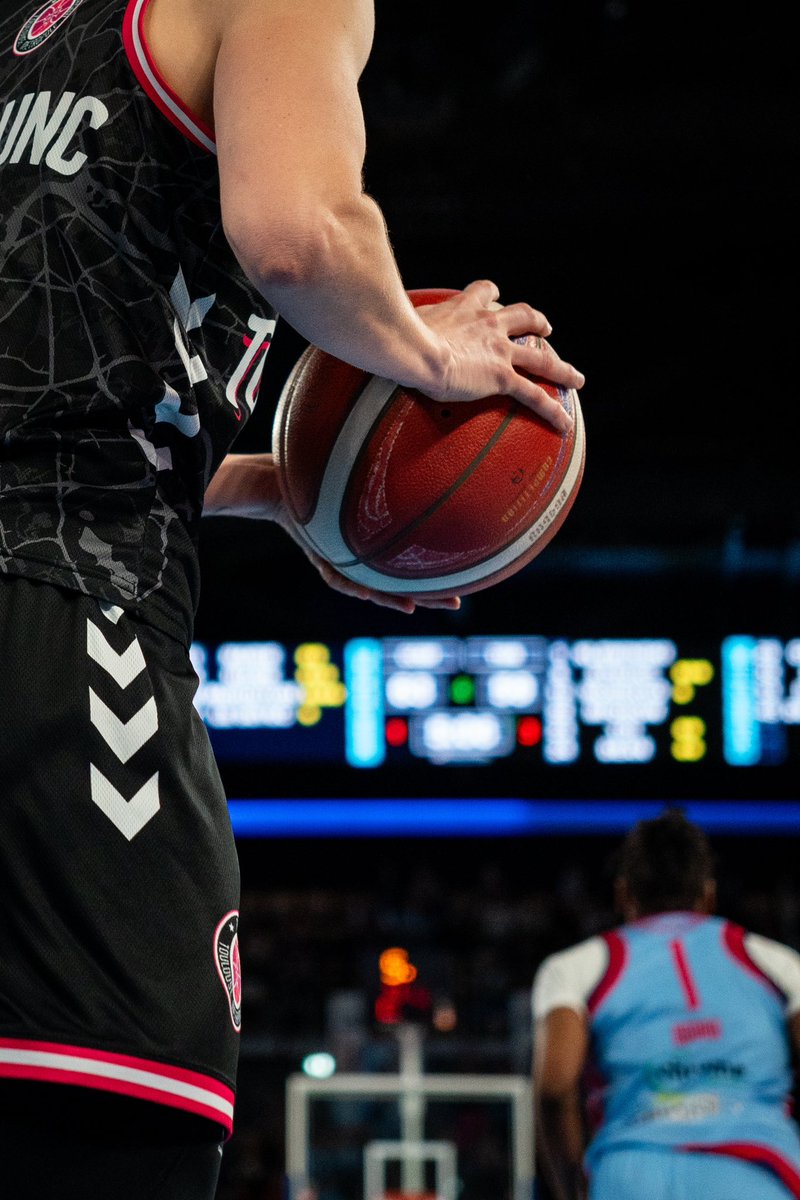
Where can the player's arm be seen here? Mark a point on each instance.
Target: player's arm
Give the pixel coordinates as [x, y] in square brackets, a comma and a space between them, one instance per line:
[246, 485]
[560, 1048]
[291, 145]
[560, 996]
[781, 964]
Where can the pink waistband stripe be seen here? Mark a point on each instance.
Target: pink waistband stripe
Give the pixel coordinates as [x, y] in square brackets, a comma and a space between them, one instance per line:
[754, 1152]
[53, 1062]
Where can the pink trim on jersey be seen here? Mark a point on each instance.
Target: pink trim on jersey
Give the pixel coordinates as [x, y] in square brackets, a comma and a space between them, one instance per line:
[176, 1087]
[684, 973]
[733, 940]
[154, 84]
[617, 962]
[762, 1156]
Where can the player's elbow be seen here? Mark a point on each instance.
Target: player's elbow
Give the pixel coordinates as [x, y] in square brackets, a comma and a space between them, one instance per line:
[282, 253]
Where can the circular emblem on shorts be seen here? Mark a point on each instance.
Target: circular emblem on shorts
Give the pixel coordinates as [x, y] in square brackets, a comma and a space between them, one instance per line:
[228, 964]
[43, 24]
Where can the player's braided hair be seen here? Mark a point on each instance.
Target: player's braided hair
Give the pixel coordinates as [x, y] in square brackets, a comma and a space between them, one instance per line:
[666, 862]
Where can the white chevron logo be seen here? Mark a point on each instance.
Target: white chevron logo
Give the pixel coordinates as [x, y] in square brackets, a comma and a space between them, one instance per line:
[111, 612]
[124, 737]
[129, 816]
[124, 667]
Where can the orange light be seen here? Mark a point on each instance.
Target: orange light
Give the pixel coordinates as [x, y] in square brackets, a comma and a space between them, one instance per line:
[445, 1017]
[395, 967]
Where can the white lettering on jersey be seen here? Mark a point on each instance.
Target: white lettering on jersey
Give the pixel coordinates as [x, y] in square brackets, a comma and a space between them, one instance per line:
[263, 329]
[190, 315]
[32, 128]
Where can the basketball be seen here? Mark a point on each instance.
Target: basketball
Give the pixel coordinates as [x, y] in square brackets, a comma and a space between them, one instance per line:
[412, 496]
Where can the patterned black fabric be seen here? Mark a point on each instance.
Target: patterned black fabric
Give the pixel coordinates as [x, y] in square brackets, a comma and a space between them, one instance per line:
[119, 879]
[125, 319]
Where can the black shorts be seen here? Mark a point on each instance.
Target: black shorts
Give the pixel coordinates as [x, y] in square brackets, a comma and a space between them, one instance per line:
[119, 881]
[73, 1143]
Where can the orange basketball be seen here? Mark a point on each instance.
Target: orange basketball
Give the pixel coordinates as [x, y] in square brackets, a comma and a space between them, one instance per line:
[409, 495]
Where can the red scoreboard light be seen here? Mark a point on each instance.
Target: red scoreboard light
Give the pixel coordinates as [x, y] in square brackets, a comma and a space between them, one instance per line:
[396, 731]
[529, 731]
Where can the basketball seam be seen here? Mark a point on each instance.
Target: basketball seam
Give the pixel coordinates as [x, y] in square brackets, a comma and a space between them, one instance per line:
[366, 559]
[465, 576]
[280, 440]
[336, 475]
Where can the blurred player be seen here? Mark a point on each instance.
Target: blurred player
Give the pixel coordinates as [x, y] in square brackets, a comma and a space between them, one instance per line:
[663, 1048]
[173, 174]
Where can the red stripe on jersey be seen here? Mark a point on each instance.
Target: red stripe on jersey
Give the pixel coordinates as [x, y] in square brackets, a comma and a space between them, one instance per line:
[153, 82]
[684, 973]
[52, 1062]
[617, 961]
[762, 1156]
[733, 940]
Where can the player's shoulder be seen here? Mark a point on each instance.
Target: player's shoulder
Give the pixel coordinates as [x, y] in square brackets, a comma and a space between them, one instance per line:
[591, 949]
[354, 18]
[770, 945]
[780, 963]
[568, 978]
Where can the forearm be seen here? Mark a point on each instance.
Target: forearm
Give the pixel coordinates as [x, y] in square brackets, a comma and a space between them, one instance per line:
[338, 285]
[561, 1145]
[291, 142]
[244, 485]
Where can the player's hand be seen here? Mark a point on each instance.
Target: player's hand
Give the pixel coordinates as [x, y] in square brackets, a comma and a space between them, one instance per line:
[406, 604]
[247, 485]
[495, 348]
[340, 583]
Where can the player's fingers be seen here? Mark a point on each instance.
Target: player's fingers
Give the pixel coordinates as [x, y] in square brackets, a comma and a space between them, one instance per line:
[535, 355]
[520, 319]
[483, 291]
[450, 603]
[340, 583]
[544, 405]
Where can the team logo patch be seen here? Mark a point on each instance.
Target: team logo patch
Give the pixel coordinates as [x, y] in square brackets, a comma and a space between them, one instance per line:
[228, 964]
[43, 24]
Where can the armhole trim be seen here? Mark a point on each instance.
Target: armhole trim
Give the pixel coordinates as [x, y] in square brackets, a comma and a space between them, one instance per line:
[733, 940]
[154, 84]
[617, 961]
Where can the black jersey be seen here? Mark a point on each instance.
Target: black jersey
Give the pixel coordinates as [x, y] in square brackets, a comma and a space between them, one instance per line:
[131, 342]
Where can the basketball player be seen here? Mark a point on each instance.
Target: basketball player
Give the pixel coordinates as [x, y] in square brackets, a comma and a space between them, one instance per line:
[663, 1048]
[173, 174]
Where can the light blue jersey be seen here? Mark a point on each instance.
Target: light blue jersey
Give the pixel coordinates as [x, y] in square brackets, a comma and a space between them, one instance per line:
[689, 1040]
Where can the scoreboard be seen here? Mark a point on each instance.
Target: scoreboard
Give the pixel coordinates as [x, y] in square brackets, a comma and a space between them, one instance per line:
[539, 709]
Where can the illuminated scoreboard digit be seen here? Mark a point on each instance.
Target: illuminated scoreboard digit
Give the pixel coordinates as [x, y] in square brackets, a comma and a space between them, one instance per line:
[263, 700]
[455, 701]
[372, 703]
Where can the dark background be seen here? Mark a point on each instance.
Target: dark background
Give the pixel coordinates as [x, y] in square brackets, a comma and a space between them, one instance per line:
[631, 169]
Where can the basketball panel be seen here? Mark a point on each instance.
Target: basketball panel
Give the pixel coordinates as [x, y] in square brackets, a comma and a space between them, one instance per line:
[502, 496]
[417, 454]
[318, 394]
[500, 565]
